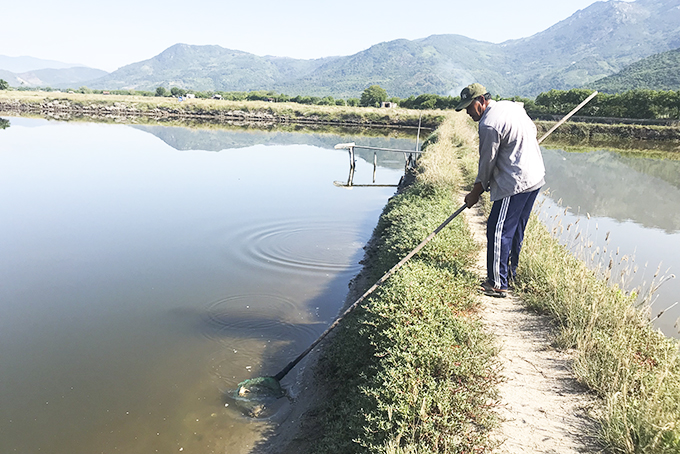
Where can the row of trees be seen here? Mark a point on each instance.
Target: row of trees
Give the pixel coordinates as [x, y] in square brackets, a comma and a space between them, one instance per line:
[643, 104]
[640, 104]
[372, 96]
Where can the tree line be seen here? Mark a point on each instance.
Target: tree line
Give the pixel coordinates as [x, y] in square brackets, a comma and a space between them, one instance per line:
[638, 103]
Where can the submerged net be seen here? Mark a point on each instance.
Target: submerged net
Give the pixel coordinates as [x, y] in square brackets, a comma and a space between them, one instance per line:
[259, 388]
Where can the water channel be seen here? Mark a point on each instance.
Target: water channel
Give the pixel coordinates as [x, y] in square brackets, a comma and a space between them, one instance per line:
[146, 270]
[623, 209]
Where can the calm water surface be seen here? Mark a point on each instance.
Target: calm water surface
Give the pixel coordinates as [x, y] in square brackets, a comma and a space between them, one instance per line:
[145, 271]
[629, 209]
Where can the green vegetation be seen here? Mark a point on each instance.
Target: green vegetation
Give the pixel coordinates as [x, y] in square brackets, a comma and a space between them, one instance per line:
[631, 366]
[610, 136]
[3, 84]
[430, 101]
[373, 96]
[643, 104]
[636, 104]
[412, 370]
[658, 72]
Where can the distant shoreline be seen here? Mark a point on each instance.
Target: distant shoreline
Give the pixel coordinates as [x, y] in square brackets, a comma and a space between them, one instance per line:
[110, 106]
[67, 106]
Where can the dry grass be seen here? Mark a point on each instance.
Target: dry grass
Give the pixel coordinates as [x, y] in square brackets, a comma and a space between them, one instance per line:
[618, 354]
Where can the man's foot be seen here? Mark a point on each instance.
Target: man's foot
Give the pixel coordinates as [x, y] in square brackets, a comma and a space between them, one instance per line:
[488, 289]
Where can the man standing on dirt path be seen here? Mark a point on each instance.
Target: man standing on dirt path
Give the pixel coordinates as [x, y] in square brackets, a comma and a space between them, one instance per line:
[511, 167]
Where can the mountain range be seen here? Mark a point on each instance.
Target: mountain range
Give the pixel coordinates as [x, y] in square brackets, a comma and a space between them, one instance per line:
[657, 72]
[593, 43]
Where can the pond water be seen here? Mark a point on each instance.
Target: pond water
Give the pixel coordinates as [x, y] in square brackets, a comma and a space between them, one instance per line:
[622, 209]
[146, 270]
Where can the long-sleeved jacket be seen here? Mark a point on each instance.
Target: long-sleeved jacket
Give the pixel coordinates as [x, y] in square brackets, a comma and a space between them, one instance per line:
[510, 160]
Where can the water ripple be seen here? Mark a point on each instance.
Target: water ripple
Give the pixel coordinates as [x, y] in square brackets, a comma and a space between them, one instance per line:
[257, 316]
[298, 246]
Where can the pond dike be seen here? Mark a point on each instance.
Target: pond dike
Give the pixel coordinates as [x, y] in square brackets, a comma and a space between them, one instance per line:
[593, 132]
[411, 367]
[65, 109]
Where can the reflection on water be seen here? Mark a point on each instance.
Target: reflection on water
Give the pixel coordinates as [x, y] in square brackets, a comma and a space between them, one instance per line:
[629, 208]
[606, 184]
[141, 283]
[220, 139]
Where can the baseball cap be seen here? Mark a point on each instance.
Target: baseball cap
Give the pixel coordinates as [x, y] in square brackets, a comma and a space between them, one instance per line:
[468, 94]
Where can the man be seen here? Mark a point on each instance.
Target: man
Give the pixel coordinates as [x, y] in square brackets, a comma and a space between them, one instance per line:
[511, 167]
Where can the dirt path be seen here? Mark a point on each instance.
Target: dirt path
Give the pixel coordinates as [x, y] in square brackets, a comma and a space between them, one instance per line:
[543, 407]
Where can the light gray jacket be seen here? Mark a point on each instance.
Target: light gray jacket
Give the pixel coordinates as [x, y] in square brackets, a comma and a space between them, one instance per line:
[510, 160]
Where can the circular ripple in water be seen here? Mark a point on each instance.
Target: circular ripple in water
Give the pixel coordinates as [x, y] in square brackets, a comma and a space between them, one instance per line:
[257, 316]
[317, 247]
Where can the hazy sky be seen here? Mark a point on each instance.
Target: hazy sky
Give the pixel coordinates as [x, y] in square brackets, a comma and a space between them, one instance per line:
[109, 34]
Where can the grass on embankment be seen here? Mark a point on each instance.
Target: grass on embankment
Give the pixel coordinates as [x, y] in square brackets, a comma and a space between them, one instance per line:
[392, 368]
[618, 354]
[78, 103]
[412, 371]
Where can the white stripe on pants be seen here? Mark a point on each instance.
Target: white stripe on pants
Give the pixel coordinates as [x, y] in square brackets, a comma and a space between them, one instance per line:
[498, 239]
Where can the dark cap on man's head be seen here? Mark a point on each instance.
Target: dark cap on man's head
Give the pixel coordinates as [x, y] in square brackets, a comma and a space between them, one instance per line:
[468, 94]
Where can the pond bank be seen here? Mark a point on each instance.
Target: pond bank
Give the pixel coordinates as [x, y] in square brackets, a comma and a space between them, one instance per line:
[63, 105]
[625, 136]
[412, 369]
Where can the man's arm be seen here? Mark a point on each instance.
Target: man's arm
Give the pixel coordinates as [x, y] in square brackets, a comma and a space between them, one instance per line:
[489, 144]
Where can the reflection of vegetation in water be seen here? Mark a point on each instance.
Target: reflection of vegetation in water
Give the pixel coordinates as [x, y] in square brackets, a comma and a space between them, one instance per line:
[614, 136]
[215, 135]
[4, 123]
[222, 138]
[609, 184]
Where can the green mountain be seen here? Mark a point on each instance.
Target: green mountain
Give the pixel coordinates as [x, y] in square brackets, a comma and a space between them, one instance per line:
[595, 42]
[207, 68]
[438, 64]
[658, 72]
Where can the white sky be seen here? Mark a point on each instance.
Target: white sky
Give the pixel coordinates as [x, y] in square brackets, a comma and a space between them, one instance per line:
[109, 34]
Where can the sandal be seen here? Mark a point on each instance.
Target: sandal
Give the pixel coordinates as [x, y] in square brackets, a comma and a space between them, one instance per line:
[489, 290]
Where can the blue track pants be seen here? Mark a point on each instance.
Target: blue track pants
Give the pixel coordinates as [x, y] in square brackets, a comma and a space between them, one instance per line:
[505, 234]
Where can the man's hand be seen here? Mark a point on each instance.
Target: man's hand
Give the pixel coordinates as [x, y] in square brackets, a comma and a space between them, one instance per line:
[473, 196]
